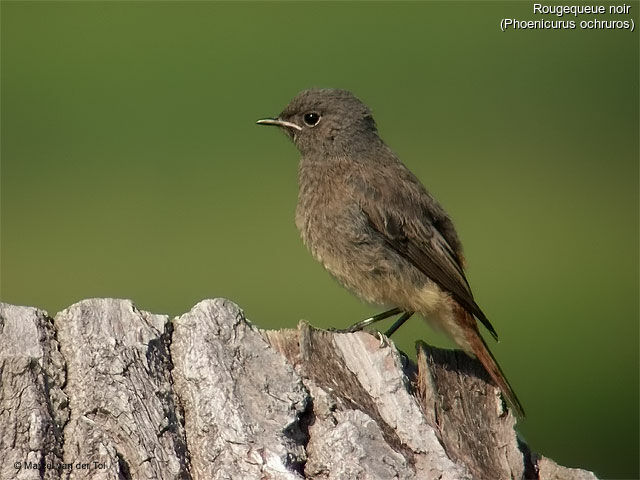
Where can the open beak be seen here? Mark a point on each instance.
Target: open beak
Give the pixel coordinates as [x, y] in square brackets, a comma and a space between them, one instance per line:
[278, 123]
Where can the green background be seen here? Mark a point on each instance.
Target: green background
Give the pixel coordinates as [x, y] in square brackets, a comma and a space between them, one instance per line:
[131, 167]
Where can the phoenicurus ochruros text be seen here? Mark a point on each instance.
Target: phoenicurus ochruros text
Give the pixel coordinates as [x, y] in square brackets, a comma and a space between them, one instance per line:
[374, 226]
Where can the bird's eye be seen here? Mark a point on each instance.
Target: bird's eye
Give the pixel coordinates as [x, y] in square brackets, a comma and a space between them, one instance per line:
[311, 119]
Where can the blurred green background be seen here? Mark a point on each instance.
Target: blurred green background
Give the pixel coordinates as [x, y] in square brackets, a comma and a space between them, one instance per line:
[131, 167]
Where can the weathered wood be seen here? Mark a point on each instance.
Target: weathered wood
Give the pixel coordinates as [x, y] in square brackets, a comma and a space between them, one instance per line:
[367, 424]
[242, 401]
[469, 415]
[122, 407]
[108, 391]
[33, 406]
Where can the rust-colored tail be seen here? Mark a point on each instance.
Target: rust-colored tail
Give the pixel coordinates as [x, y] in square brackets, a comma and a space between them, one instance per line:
[482, 352]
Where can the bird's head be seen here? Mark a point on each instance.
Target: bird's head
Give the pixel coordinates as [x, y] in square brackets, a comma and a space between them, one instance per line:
[327, 121]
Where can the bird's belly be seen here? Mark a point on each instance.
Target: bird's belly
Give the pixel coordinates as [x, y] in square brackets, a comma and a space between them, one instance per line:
[371, 283]
[394, 288]
[365, 265]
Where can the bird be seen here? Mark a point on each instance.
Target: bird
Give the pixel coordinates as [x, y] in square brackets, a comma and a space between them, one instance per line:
[374, 226]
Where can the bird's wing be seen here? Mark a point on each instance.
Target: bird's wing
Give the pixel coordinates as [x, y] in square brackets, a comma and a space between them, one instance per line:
[418, 231]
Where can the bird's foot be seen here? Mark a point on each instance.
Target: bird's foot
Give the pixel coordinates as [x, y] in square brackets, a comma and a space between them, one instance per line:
[384, 340]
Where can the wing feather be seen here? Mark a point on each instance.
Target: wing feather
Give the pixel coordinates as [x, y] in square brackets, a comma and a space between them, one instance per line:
[421, 238]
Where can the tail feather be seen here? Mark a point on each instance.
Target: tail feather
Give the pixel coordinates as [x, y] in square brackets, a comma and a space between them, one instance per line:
[489, 362]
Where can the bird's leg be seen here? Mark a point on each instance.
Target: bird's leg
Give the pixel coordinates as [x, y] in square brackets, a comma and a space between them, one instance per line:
[398, 323]
[368, 321]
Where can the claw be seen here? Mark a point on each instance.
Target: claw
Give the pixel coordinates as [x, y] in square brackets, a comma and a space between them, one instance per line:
[384, 340]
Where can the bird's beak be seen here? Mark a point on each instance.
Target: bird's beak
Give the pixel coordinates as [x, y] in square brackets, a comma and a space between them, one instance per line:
[278, 123]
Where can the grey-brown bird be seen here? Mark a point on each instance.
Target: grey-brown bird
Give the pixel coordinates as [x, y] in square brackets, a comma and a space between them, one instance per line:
[375, 227]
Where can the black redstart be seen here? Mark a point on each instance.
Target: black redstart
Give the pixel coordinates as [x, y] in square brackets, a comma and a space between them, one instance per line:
[374, 226]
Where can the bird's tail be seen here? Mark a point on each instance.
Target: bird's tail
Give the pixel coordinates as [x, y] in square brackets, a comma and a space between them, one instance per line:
[482, 352]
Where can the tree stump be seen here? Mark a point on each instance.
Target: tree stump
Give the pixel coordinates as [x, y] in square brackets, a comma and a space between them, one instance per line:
[106, 391]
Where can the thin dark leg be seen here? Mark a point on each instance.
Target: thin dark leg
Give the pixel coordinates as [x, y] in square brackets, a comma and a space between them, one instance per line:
[368, 321]
[398, 323]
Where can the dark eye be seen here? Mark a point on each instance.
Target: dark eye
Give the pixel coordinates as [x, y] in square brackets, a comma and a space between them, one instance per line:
[311, 119]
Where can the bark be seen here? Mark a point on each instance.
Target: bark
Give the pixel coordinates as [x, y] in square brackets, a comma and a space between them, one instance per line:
[105, 390]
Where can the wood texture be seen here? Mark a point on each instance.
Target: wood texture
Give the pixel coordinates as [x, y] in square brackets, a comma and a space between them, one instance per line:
[107, 391]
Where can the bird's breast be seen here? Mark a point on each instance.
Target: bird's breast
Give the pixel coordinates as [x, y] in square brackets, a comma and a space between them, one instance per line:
[327, 216]
[338, 234]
